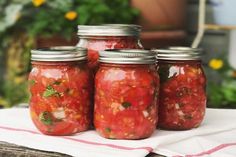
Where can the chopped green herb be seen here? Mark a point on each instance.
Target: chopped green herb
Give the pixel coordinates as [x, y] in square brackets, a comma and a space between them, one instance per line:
[32, 82]
[57, 83]
[108, 130]
[50, 91]
[46, 118]
[126, 104]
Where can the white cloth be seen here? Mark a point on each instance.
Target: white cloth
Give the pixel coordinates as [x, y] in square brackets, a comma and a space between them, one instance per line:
[216, 137]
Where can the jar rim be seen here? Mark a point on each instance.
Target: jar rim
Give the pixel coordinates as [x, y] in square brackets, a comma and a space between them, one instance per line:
[127, 56]
[109, 30]
[59, 53]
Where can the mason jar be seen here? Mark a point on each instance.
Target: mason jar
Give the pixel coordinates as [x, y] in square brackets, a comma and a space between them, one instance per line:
[182, 88]
[60, 87]
[126, 93]
[110, 36]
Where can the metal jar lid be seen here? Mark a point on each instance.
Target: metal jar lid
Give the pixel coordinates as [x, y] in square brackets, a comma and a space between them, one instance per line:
[109, 30]
[127, 56]
[178, 53]
[59, 53]
[187, 49]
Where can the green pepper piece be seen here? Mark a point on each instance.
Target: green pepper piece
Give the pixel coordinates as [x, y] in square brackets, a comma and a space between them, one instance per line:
[57, 83]
[126, 104]
[46, 118]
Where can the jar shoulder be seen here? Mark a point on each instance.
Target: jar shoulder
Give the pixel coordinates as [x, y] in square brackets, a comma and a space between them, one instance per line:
[175, 69]
[109, 42]
[127, 75]
[59, 71]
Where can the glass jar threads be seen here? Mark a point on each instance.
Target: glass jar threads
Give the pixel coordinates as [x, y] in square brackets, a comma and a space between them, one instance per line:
[182, 88]
[60, 86]
[126, 90]
[110, 36]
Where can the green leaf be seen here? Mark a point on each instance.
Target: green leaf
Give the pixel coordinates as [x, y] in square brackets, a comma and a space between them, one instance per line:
[126, 104]
[215, 95]
[46, 118]
[229, 94]
[83, 14]
[50, 91]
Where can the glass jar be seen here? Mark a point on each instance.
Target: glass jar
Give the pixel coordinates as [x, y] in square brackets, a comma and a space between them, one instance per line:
[60, 86]
[110, 36]
[126, 90]
[182, 88]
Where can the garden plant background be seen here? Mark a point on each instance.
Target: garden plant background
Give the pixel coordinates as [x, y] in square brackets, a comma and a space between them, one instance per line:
[221, 85]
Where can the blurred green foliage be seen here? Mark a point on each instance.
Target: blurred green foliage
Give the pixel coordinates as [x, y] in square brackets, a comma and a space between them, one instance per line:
[222, 85]
[23, 21]
[49, 17]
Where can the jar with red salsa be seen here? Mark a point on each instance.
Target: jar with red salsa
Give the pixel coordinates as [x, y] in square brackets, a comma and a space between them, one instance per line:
[182, 88]
[110, 36]
[60, 86]
[126, 93]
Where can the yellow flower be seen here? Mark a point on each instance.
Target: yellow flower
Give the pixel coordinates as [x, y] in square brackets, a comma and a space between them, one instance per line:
[216, 64]
[70, 15]
[38, 3]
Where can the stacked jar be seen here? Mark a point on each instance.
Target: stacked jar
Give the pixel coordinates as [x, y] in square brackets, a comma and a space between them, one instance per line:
[126, 90]
[60, 86]
[110, 36]
[182, 88]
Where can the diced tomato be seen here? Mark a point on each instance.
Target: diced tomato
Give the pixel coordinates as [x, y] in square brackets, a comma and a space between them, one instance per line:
[95, 44]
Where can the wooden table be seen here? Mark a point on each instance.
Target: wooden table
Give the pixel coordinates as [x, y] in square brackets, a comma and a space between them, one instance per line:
[12, 150]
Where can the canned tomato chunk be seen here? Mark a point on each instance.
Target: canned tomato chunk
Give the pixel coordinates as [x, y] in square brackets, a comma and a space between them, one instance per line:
[182, 88]
[126, 91]
[110, 36]
[60, 86]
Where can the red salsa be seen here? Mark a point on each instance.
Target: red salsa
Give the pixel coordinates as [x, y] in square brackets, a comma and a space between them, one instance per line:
[182, 90]
[97, 38]
[126, 97]
[60, 101]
